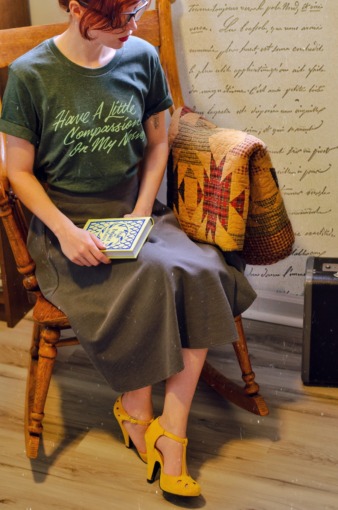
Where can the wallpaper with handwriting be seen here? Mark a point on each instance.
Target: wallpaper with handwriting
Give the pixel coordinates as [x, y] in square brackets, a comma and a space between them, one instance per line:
[269, 67]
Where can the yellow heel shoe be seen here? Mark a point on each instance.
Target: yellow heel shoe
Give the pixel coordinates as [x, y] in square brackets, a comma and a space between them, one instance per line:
[182, 485]
[121, 415]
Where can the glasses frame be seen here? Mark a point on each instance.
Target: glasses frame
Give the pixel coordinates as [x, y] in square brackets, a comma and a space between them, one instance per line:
[133, 14]
[130, 14]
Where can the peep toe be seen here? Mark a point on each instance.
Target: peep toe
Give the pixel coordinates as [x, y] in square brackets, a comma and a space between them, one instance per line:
[182, 485]
[121, 415]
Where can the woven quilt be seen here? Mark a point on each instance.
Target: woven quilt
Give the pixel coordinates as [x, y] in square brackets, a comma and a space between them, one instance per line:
[224, 190]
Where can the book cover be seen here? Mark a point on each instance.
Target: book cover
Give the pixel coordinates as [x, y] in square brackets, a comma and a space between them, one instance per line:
[122, 237]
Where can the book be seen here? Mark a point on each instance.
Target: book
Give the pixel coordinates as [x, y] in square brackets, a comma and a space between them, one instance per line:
[122, 237]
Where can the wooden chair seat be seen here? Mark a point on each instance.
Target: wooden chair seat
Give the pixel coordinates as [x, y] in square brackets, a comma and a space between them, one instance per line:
[49, 321]
[47, 314]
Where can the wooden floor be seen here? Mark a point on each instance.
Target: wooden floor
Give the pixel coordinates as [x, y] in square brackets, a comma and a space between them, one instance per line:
[287, 460]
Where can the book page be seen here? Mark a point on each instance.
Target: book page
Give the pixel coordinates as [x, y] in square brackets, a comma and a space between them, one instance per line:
[268, 67]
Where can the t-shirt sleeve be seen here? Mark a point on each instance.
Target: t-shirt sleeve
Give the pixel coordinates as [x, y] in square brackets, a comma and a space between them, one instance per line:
[18, 116]
[158, 98]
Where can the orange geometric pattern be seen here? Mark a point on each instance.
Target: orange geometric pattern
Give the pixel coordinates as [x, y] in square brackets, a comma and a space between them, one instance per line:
[224, 191]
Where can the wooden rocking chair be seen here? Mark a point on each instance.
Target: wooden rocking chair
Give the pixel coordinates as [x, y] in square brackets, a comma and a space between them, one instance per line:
[49, 322]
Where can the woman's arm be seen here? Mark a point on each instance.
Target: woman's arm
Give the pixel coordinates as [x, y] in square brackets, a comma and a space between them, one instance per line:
[79, 246]
[153, 165]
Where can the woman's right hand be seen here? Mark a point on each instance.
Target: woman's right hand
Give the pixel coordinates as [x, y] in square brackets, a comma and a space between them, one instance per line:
[81, 247]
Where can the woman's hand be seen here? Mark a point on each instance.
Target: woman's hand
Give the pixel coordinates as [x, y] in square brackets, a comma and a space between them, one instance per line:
[81, 247]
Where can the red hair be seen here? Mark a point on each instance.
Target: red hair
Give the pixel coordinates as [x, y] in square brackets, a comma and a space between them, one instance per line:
[95, 17]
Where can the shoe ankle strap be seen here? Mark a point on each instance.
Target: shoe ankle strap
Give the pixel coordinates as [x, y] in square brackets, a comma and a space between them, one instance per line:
[182, 440]
[139, 422]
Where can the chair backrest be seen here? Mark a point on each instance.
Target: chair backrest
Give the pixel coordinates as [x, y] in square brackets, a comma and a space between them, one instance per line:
[155, 26]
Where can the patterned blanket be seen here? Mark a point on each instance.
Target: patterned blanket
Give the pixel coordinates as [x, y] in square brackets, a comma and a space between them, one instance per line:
[224, 190]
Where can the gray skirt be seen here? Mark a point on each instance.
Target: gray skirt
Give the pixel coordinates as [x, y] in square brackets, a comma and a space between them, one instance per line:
[133, 317]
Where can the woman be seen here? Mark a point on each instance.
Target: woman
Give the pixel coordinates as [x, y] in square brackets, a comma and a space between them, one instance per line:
[83, 112]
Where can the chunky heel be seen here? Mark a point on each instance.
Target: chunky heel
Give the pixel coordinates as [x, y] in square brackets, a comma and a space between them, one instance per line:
[182, 485]
[121, 416]
[152, 472]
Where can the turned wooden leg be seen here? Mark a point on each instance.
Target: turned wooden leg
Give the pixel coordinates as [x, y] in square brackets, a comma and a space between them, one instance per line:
[34, 352]
[241, 350]
[40, 371]
[248, 397]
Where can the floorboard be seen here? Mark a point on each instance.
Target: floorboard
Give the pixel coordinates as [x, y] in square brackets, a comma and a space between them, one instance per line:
[287, 460]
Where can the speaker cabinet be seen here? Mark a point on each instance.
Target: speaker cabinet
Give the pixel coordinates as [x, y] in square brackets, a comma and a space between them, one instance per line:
[320, 329]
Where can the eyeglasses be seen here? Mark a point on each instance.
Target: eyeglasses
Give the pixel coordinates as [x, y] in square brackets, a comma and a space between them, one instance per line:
[125, 17]
[136, 14]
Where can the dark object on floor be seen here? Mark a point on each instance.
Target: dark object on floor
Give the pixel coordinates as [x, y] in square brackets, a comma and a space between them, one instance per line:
[320, 331]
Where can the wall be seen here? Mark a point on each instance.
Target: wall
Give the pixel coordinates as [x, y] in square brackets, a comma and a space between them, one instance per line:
[265, 66]
[46, 11]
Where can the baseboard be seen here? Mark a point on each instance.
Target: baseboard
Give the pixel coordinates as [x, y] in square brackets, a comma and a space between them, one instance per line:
[277, 308]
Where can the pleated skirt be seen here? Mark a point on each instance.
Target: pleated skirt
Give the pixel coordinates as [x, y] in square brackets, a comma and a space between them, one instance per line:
[133, 317]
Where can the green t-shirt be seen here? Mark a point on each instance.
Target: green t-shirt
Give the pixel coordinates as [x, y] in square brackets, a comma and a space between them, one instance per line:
[86, 124]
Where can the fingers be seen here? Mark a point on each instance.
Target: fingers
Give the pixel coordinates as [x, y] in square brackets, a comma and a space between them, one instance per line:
[87, 256]
[83, 248]
[90, 260]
